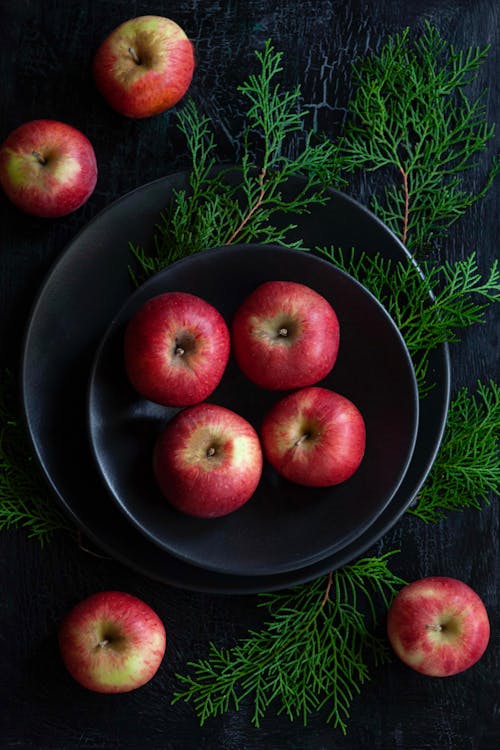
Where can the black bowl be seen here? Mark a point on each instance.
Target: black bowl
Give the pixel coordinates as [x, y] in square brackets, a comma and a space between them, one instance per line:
[284, 526]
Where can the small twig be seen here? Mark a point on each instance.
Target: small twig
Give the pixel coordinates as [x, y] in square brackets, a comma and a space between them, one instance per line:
[79, 539]
[407, 205]
[327, 590]
[254, 208]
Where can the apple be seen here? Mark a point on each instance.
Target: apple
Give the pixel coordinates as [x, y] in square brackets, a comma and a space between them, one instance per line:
[144, 66]
[285, 336]
[112, 642]
[47, 168]
[314, 437]
[438, 626]
[176, 349]
[208, 461]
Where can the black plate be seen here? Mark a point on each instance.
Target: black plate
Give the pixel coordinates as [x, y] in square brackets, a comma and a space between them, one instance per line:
[284, 526]
[82, 293]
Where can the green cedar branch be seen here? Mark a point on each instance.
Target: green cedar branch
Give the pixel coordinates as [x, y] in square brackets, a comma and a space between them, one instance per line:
[237, 205]
[412, 118]
[461, 296]
[312, 654]
[466, 472]
[25, 502]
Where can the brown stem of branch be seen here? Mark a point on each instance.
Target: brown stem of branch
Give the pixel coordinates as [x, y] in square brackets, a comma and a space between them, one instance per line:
[327, 591]
[254, 208]
[404, 234]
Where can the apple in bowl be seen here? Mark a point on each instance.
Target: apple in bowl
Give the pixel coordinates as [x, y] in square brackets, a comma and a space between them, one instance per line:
[176, 349]
[112, 642]
[144, 66]
[285, 336]
[208, 461]
[314, 437]
[47, 168]
[438, 626]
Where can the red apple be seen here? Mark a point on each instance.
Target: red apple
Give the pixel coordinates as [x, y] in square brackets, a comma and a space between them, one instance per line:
[438, 626]
[285, 336]
[144, 66]
[208, 461]
[112, 642]
[176, 349]
[47, 168]
[314, 437]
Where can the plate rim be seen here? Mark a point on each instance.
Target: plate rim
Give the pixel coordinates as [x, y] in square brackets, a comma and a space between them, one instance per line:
[230, 586]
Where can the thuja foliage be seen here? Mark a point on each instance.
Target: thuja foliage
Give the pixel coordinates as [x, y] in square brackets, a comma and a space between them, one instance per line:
[238, 205]
[466, 472]
[429, 302]
[25, 501]
[311, 655]
[412, 118]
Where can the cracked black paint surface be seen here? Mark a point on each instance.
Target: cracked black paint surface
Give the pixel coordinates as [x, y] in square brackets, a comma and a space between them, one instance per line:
[45, 62]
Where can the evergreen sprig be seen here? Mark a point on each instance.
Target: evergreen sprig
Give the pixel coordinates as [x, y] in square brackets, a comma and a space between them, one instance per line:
[466, 472]
[238, 204]
[313, 653]
[428, 302]
[25, 501]
[412, 118]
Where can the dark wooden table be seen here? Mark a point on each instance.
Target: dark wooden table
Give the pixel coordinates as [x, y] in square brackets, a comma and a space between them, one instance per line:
[45, 57]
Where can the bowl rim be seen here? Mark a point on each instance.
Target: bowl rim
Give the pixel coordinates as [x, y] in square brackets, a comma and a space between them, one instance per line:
[117, 321]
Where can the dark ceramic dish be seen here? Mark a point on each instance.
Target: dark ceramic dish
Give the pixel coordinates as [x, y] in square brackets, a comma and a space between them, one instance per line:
[80, 296]
[284, 526]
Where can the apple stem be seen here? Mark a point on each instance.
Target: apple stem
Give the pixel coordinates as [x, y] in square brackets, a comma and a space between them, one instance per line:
[39, 157]
[133, 54]
[302, 439]
[434, 628]
[103, 644]
[283, 332]
[179, 351]
[210, 452]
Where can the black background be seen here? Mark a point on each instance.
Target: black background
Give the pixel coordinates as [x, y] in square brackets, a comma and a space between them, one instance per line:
[45, 55]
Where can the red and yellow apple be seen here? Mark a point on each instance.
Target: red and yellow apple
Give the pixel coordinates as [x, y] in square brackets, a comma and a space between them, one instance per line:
[112, 642]
[285, 336]
[438, 626]
[176, 349]
[47, 168]
[208, 461]
[144, 66]
[314, 437]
